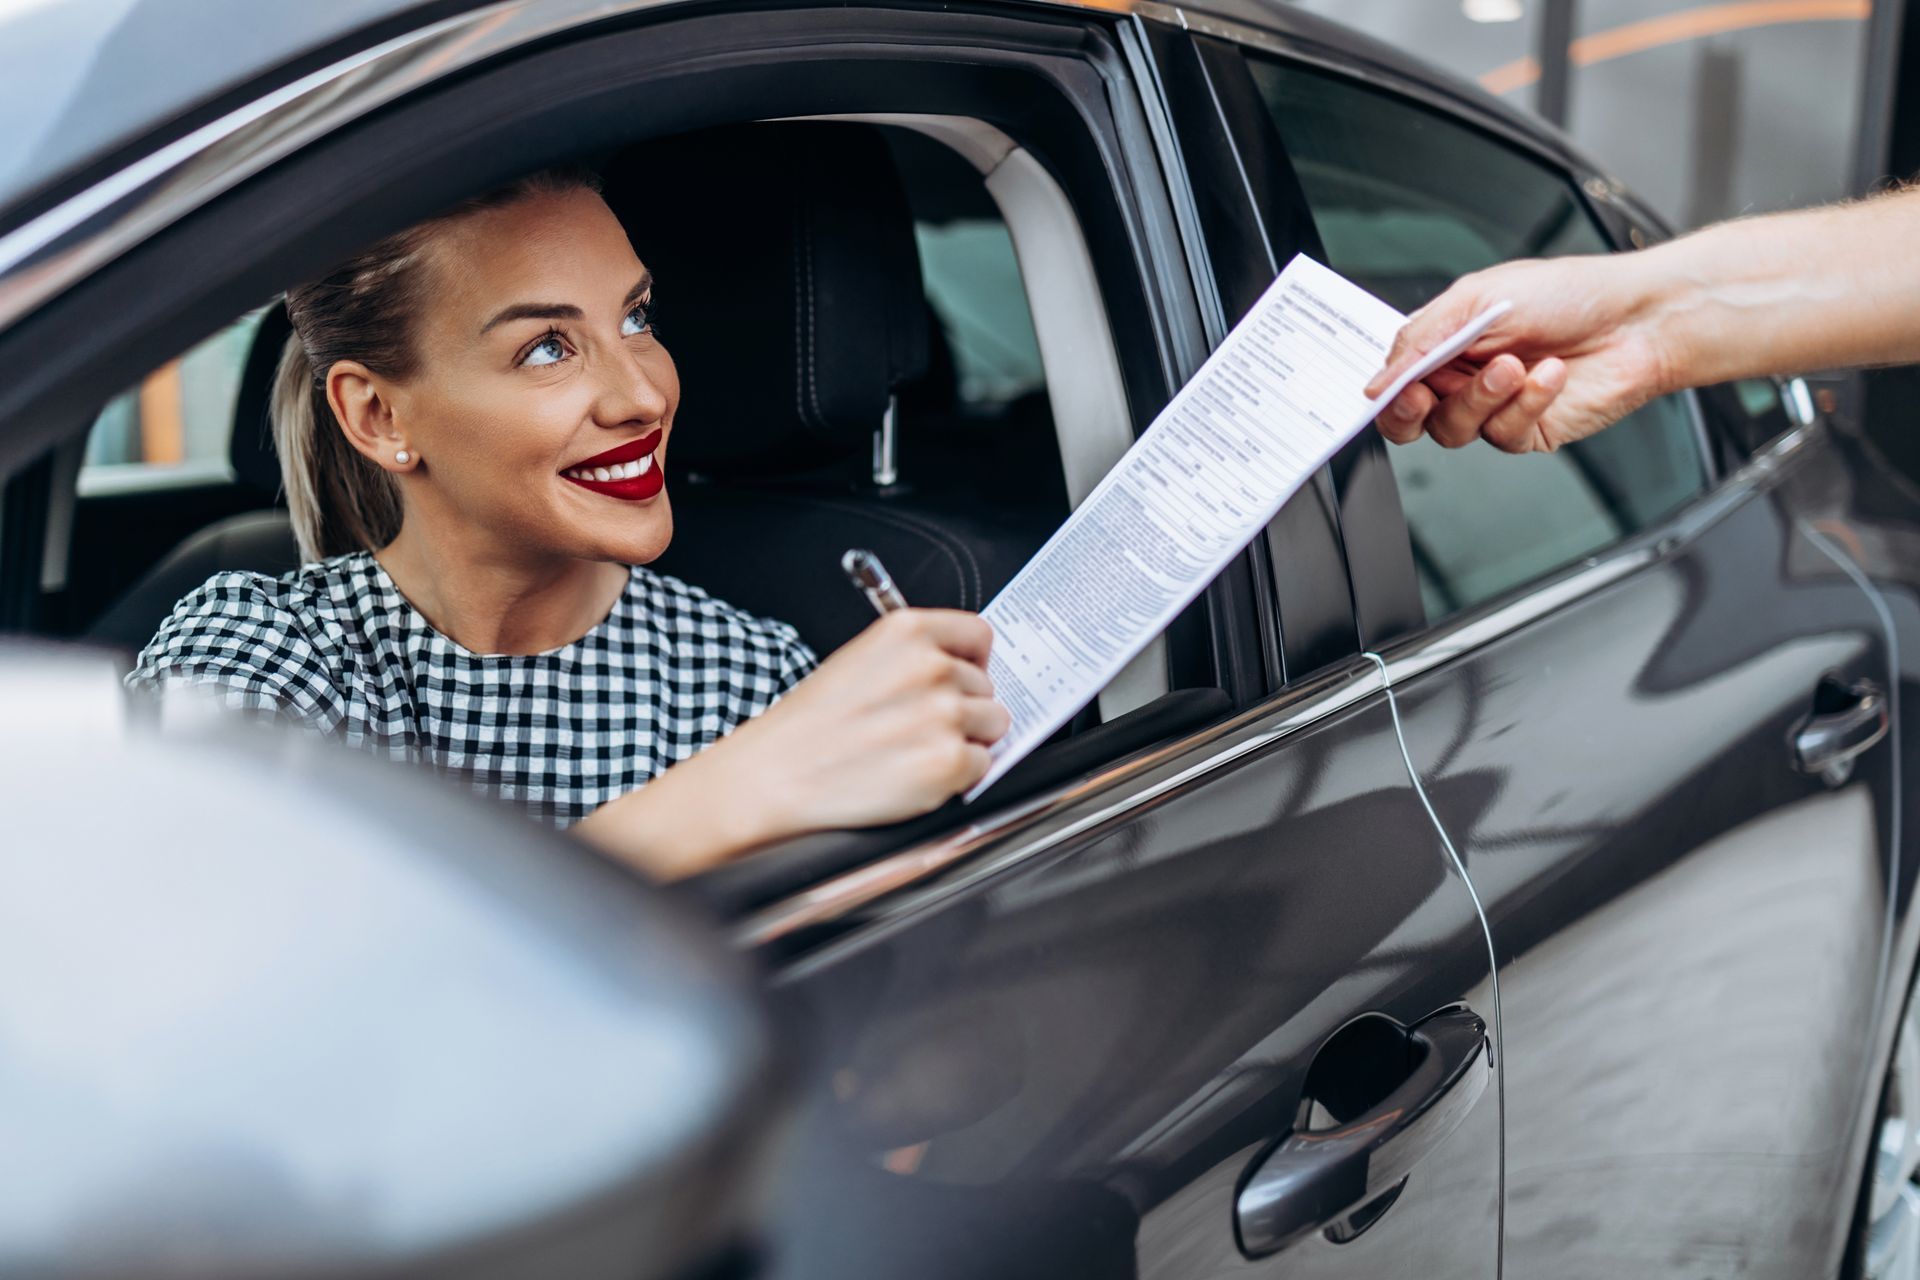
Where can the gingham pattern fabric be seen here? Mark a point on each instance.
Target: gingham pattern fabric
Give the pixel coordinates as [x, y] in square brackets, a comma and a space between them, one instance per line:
[336, 647]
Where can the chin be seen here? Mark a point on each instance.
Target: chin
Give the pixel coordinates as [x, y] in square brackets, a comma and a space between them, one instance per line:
[641, 542]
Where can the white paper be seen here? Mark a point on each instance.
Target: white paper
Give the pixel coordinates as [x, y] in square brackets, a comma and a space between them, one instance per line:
[1278, 398]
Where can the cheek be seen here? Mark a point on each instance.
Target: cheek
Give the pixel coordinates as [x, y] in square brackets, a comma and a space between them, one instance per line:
[489, 430]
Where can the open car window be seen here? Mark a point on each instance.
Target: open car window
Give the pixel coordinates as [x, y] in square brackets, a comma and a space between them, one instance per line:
[990, 430]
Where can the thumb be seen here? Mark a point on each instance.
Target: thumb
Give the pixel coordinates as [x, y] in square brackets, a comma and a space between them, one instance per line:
[1424, 330]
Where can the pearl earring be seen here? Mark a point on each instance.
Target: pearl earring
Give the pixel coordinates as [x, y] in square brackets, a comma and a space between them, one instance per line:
[403, 457]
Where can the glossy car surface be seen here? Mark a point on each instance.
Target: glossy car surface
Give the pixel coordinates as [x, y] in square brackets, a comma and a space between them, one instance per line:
[1502, 867]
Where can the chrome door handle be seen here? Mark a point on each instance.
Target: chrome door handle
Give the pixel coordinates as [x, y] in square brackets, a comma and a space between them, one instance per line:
[1825, 743]
[1315, 1178]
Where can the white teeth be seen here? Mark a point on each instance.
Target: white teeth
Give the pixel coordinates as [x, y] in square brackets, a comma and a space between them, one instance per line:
[618, 471]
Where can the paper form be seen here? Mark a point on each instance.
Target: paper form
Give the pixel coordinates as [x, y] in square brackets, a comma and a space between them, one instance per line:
[1278, 398]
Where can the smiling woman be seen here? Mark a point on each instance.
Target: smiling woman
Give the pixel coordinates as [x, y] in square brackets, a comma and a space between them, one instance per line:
[473, 418]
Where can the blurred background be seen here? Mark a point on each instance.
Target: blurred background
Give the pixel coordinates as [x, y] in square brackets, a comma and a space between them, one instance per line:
[1706, 110]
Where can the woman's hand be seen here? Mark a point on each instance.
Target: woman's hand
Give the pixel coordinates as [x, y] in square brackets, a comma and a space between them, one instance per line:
[890, 726]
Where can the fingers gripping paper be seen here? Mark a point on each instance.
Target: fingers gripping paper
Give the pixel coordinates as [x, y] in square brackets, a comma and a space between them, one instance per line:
[1278, 398]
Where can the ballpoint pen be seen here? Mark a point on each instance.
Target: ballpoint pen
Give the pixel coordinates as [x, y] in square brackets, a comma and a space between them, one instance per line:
[871, 577]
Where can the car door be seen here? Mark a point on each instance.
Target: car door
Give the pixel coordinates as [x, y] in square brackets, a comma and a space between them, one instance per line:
[1647, 699]
[1116, 1031]
[1215, 1007]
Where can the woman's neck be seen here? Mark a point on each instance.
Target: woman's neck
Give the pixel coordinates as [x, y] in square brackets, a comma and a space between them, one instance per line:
[498, 604]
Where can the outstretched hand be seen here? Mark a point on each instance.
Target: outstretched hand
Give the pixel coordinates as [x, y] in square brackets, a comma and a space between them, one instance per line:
[1575, 354]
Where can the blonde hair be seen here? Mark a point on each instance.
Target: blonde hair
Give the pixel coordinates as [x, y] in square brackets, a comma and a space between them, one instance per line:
[365, 310]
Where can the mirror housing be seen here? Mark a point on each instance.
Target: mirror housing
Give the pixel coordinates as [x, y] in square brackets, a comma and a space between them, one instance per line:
[270, 1008]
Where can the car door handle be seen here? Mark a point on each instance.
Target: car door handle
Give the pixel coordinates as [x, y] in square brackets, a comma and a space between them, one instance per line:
[1827, 741]
[1316, 1178]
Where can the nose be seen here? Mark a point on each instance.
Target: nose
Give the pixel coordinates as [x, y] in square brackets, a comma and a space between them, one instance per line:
[631, 391]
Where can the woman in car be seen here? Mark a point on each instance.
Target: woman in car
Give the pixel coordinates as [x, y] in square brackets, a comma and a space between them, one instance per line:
[473, 418]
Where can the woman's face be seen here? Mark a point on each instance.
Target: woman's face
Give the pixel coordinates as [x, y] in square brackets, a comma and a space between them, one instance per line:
[542, 403]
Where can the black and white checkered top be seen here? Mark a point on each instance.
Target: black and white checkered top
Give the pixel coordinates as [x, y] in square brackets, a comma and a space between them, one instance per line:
[336, 647]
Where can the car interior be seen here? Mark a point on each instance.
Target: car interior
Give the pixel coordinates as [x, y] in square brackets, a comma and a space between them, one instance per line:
[933, 378]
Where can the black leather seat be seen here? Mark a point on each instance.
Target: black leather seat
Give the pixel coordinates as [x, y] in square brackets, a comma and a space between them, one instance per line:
[789, 288]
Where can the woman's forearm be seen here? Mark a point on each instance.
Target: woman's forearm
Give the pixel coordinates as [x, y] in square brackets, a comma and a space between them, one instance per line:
[684, 821]
[1787, 293]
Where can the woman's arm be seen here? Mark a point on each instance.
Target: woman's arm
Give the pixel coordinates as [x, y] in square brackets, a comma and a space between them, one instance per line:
[889, 727]
[1590, 339]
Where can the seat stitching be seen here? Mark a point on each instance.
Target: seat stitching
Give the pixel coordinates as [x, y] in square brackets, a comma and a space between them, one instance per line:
[813, 338]
[944, 541]
[799, 330]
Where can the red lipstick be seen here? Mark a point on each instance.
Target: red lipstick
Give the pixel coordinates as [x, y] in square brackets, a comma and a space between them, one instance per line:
[629, 471]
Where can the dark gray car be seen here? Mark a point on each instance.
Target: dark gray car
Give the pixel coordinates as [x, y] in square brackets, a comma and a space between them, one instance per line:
[1499, 868]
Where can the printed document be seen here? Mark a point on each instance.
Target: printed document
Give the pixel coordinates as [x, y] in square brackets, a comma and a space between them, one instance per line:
[1278, 398]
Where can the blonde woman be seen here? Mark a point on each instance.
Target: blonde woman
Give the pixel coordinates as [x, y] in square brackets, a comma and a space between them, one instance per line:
[473, 418]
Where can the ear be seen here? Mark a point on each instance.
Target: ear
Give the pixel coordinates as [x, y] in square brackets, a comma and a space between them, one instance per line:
[363, 402]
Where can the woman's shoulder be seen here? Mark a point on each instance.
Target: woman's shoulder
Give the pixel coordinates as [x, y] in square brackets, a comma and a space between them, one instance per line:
[265, 634]
[299, 599]
[681, 605]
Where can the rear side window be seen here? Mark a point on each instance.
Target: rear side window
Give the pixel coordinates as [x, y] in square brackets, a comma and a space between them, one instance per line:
[179, 418]
[1405, 202]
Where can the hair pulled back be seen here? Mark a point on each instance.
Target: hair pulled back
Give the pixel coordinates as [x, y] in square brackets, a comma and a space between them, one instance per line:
[366, 309]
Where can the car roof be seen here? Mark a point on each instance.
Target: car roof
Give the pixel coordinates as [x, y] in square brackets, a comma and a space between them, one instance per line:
[90, 84]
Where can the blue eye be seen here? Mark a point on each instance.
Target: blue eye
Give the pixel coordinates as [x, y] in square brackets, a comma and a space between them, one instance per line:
[549, 350]
[636, 323]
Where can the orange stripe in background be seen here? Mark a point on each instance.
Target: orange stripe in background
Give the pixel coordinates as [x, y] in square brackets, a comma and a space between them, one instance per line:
[163, 430]
[1673, 28]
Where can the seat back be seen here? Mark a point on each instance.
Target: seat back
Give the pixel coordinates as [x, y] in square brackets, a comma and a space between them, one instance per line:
[789, 283]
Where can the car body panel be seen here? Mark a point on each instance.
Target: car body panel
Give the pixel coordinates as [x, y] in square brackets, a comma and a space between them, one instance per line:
[1067, 1066]
[92, 78]
[1691, 932]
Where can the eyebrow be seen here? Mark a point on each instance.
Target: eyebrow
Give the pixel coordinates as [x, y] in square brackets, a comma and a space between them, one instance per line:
[561, 310]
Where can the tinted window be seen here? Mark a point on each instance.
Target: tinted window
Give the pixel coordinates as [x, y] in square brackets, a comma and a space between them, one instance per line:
[1405, 202]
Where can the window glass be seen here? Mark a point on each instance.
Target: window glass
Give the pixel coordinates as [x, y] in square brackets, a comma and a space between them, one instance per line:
[1406, 202]
[181, 414]
[973, 285]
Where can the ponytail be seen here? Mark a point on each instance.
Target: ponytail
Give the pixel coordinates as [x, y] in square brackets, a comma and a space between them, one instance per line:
[364, 310]
[338, 500]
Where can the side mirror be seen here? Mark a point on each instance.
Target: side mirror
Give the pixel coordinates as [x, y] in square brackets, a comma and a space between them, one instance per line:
[268, 1008]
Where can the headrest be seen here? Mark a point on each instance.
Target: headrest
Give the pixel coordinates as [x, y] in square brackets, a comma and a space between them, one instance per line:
[255, 464]
[788, 286]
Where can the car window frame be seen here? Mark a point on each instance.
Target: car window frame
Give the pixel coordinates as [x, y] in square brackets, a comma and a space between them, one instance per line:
[1150, 254]
[1239, 223]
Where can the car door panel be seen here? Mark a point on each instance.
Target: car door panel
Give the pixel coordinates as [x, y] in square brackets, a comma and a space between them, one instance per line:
[1106, 1036]
[1690, 929]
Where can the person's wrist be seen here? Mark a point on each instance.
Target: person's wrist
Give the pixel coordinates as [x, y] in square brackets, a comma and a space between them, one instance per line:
[745, 800]
[1657, 300]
